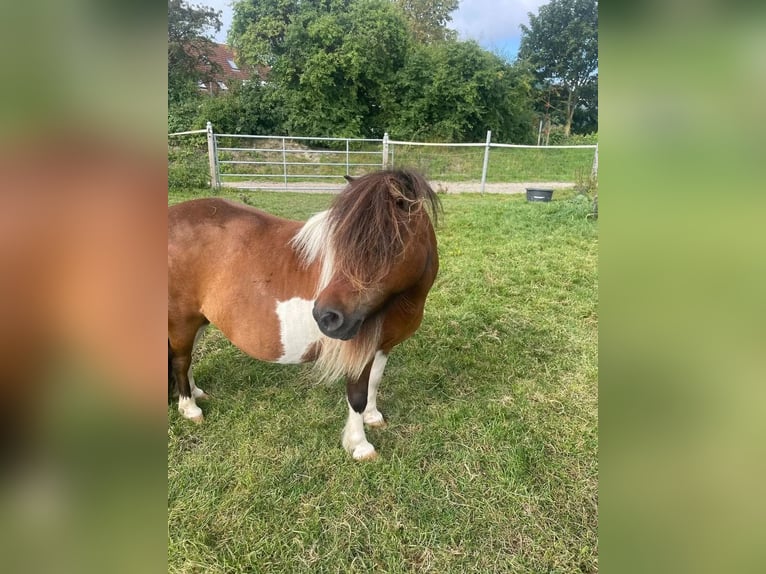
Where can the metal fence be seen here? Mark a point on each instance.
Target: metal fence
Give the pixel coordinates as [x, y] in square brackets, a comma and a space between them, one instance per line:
[320, 163]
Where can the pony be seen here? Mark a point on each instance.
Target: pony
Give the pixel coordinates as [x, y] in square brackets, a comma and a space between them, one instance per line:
[341, 289]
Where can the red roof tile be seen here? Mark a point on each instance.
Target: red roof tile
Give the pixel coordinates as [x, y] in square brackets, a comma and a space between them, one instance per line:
[223, 55]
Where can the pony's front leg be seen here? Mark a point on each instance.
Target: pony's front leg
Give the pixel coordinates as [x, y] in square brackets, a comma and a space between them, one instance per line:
[372, 416]
[354, 439]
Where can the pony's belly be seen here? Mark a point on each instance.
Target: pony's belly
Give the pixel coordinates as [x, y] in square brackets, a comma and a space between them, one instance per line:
[298, 331]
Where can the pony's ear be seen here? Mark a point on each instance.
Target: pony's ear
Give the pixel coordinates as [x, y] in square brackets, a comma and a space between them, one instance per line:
[348, 178]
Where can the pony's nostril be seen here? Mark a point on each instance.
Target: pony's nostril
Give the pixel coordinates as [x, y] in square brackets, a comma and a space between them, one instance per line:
[331, 320]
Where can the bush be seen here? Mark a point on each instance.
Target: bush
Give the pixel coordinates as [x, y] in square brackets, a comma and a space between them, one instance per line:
[184, 116]
[557, 137]
[187, 168]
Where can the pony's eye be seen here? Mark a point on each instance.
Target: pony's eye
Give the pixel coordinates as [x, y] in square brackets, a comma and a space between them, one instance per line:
[401, 204]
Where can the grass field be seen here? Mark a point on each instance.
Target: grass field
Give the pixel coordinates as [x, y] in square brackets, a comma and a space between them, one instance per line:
[489, 462]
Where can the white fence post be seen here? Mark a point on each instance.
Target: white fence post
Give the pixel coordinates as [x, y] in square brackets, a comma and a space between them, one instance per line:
[212, 157]
[539, 131]
[284, 162]
[385, 150]
[594, 171]
[347, 162]
[486, 161]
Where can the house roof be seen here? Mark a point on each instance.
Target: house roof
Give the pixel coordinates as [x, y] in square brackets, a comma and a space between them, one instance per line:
[226, 59]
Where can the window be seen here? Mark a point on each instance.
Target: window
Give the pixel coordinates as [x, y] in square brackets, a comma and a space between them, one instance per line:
[233, 64]
[222, 86]
[202, 86]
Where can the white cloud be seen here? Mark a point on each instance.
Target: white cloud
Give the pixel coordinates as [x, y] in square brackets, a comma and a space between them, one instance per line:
[492, 21]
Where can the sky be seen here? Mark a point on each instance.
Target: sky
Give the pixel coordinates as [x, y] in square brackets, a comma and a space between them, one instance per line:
[493, 24]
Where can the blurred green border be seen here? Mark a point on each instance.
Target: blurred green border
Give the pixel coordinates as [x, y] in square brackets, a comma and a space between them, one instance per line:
[682, 269]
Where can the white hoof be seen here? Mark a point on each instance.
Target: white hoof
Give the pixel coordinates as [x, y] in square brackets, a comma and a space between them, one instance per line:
[375, 419]
[364, 451]
[198, 393]
[189, 410]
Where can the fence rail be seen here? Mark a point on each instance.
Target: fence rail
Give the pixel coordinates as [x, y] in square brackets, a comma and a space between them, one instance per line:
[248, 161]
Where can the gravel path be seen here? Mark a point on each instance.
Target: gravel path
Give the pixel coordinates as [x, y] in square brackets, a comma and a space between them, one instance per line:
[438, 186]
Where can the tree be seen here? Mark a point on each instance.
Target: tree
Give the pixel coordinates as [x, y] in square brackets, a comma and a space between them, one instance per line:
[561, 46]
[352, 68]
[189, 48]
[456, 91]
[585, 117]
[333, 60]
[428, 19]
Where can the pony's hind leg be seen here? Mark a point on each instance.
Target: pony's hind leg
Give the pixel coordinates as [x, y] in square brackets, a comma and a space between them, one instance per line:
[196, 392]
[181, 343]
[187, 405]
[371, 415]
[354, 440]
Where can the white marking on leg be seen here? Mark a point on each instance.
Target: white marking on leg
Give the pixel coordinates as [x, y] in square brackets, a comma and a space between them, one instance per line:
[354, 439]
[372, 416]
[189, 409]
[196, 392]
[297, 329]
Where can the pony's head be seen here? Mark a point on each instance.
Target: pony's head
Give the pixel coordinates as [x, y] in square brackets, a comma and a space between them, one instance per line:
[379, 244]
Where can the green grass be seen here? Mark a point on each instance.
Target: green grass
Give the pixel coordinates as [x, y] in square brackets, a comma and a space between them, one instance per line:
[504, 165]
[489, 463]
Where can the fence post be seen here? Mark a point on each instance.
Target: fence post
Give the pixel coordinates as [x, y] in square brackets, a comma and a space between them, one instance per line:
[539, 131]
[594, 170]
[385, 150]
[347, 162]
[486, 161]
[284, 161]
[212, 157]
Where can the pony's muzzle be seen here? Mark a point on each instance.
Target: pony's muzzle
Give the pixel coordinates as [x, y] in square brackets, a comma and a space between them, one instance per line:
[335, 324]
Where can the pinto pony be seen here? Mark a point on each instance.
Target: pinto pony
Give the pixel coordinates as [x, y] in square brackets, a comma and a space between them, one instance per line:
[341, 289]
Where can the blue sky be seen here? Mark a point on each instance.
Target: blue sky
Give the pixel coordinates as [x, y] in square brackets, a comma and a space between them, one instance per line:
[494, 24]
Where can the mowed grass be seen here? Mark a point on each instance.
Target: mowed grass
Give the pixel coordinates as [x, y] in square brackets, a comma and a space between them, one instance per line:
[489, 462]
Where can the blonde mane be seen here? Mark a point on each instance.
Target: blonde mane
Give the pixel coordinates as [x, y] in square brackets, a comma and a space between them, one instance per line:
[336, 358]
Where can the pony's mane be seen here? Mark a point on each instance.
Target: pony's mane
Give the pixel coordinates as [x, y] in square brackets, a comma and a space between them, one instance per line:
[361, 236]
[312, 243]
[370, 220]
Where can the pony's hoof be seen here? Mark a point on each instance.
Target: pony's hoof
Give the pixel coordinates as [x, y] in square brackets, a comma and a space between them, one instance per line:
[202, 395]
[365, 452]
[191, 412]
[375, 420]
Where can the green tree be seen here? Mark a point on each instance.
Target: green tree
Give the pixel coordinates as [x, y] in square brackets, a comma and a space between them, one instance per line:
[189, 48]
[428, 19]
[259, 27]
[251, 108]
[585, 117]
[456, 91]
[332, 60]
[353, 68]
[561, 46]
